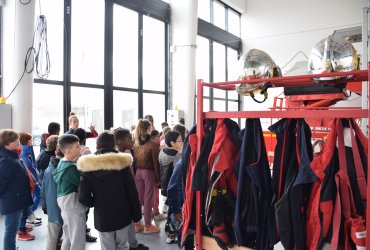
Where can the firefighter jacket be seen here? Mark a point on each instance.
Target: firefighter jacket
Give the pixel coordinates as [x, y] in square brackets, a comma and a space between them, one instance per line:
[212, 171]
[338, 199]
[292, 183]
[254, 193]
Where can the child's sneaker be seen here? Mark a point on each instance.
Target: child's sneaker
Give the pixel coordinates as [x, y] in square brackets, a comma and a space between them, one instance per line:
[171, 238]
[28, 228]
[33, 217]
[34, 222]
[138, 227]
[25, 236]
[160, 216]
[151, 229]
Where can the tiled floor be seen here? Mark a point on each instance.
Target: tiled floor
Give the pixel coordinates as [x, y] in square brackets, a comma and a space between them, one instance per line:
[153, 241]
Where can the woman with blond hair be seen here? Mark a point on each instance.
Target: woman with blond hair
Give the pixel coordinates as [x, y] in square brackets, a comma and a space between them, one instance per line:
[74, 123]
[146, 164]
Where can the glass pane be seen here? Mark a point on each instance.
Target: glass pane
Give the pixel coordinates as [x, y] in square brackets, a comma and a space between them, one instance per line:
[88, 105]
[219, 105]
[125, 111]
[232, 70]
[204, 10]
[53, 11]
[158, 110]
[153, 54]
[48, 108]
[202, 61]
[233, 23]
[125, 47]
[87, 41]
[219, 68]
[232, 106]
[219, 15]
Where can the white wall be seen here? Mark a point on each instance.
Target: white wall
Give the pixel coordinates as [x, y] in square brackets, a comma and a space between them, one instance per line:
[282, 28]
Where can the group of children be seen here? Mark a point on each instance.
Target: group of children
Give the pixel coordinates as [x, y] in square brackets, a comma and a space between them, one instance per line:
[114, 181]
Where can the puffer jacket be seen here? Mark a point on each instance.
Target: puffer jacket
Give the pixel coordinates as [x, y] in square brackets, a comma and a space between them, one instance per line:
[168, 157]
[15, 190]
[146, 156]
[108, 185]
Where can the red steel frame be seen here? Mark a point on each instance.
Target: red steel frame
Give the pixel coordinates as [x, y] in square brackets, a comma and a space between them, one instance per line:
[301, 80]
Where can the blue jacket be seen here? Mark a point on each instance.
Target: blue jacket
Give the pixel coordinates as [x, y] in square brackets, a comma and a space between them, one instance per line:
[174, 190]
[48, 195]
[15, 191]
[28, 158]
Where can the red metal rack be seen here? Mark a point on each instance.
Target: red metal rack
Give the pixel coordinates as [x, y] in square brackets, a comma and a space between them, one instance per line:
[290, 81]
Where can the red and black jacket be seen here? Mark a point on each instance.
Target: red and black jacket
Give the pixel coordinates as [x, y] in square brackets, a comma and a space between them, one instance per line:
[292, 182]
[338, 198]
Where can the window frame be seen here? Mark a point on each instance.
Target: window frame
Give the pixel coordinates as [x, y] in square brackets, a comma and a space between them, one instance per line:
[153, 8]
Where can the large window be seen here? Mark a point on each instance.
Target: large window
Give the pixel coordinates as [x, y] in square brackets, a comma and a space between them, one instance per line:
[153, 54]
[125, 109]
[220, 15]
[107, 56]
[47, 107]
[87, 40]
[218, 48]
[55, 36]
[88, 105]
[154, 105]
[125, 47]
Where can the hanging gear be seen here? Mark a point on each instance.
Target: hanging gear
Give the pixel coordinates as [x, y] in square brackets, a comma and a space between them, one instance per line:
[337, 210]
[254, 189]
[292, 182]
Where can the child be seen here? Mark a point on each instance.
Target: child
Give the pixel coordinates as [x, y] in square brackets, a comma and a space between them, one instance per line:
[168, 157]
[53, 129]
[15, 185]
[67, 179]
[146, 163]
[154, 135]
[43, 159]
[28, 158]
[81, 134]
[175, 201]
[108, 185]
[48, 201]
[124, 144]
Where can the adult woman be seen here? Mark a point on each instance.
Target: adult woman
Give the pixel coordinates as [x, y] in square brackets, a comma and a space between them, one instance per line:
[74, 124]
[146, 165]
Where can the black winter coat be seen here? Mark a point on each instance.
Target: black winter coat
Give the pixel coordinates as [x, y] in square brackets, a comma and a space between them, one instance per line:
[107, 185]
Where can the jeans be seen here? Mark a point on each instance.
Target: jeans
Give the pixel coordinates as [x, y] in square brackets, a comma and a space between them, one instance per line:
[25, 212]
[11, 226]
[36, 198]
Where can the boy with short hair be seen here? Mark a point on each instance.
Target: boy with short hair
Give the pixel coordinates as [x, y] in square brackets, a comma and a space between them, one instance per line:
[49, 203]
[124, 144]
[108, 185]
[53, 129]
[16, 185]
[44, 157]
[67, 179]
